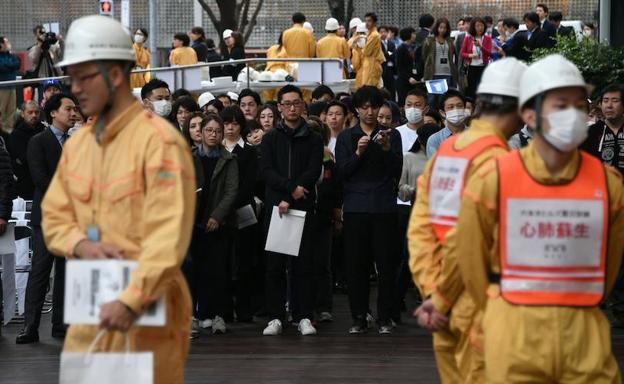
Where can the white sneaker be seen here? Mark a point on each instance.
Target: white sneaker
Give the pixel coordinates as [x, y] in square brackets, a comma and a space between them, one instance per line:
[218, 325]
[306, 328]
[273, 329]
[205, 323]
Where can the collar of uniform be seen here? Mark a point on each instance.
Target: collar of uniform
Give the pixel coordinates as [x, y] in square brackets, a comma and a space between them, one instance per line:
[120, 122]
[536, 167]
[479, 128]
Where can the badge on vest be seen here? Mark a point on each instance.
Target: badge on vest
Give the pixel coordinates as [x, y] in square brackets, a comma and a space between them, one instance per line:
[447, 180]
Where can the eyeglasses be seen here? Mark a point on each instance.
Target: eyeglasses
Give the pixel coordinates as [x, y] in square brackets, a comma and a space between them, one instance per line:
[289, 105]
[213, 132]
[78, 80]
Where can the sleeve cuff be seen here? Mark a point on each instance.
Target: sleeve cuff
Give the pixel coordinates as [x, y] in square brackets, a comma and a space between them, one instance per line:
[440, 303]
[72, 243]
[133, 298]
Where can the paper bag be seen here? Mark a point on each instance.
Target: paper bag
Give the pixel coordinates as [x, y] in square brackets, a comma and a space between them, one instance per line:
[285, 232]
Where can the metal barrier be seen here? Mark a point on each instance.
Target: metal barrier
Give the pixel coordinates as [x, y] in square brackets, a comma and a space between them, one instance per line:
[177, 69]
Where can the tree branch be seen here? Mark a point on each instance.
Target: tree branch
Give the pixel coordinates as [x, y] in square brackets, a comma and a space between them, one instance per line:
[211, 15]
[242, 24]
[237, 14]
[252, 22]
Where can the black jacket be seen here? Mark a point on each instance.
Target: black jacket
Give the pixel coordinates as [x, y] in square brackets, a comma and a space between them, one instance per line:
[201, 50]
[44, 153]
[290, 158]
[389, 53]
[539, 39]
[7, 183]
[247, 159]
[516, 47]
[211, 57]
[329, 193]
[369, 181]
[565, 31]
[17, 146]
[592, 145]
[237, 53]
[405, 63]
[549, 28]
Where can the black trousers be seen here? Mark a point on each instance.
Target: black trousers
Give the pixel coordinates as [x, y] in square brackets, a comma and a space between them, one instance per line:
[322, 267]
[39, 280]
[370, 238]
[404, 276]
[474, 78]
[208, 273]
[300, 273]
[244, 251]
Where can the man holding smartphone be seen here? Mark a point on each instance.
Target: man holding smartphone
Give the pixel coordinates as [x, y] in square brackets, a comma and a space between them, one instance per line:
[369, 160]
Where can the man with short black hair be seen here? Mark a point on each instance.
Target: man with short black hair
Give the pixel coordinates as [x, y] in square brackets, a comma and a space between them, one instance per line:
[605, 139]
[44, 153]
[249, 102]
[225, 99]
[542, 12]
[156, 97]
[389, 66]
[536, 37]
[298, 41]
[335, 118]
[406, 66]
[452, 108]
[28, 125]
[515, 40]
[425, 23]
[291, 156]
[323, 93]
[369, 160]
[555, 19]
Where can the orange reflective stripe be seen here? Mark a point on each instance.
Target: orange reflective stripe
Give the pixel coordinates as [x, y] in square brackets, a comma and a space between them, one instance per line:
[570, 268]
[442, 224]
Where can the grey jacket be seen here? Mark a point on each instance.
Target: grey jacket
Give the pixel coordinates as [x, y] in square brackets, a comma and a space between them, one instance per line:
[223, 188]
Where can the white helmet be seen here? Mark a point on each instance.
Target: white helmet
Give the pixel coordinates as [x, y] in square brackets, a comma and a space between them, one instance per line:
[354, 22]
[502, 77]
[94, 38]
[280, 75]
[361, 28]
[204, 99]
[308, 26]
[233, 95]
[265, 76]
[548, 73]
[227, 33]
[247, 71]
[331, 25]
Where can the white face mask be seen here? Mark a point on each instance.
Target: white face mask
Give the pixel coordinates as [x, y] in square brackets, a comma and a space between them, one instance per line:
[162, 107]
[413, 115]
[456, 116]
[587, 33]
[568, 129]
[139, 38]
[361, 42]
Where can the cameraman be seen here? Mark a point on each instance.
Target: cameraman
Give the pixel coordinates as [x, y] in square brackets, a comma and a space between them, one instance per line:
[45, 53]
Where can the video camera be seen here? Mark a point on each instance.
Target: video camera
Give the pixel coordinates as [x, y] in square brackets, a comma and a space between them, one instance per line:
[48, 39]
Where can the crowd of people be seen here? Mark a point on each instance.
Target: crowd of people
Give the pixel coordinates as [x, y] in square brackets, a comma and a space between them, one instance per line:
[398, 185]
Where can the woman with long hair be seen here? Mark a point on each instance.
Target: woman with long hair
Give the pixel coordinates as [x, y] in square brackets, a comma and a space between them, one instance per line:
[476, 51]
[233, 48]
[439, 55]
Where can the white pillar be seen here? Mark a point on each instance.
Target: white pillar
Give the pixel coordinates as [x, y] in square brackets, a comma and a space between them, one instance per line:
[605, 21]
[198, 15]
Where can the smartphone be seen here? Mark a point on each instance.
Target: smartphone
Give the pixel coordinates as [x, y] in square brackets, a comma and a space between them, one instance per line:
[380, 133]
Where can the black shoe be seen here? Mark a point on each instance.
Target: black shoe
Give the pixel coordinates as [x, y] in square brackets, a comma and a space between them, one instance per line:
[59, 332]
[27, 335]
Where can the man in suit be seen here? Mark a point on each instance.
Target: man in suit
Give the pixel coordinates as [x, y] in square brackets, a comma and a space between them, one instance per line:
[425, 23]
[560, 30]
[28, 125]
[546, 26]
[536, 37]
[44, 152]
[459, 41]
[389, 66]
[515, 40]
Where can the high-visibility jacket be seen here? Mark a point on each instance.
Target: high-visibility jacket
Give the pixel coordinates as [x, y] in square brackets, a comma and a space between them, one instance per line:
[447, 180]
[553, 238]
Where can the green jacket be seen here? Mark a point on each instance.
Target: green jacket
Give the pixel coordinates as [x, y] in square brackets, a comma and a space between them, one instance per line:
[429, 53]
[223, 188]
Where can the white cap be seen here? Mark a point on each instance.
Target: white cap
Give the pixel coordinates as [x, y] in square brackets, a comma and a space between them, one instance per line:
[354, 22]
[204, 99]
[227, 33]
[308, 26]
[502, 77]
[280, 75]
[548, 73]
[331, 25]
[233, 95]
[361, 28]
[93, 38]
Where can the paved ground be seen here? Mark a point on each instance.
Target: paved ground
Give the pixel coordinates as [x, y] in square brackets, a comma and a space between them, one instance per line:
[244, 356]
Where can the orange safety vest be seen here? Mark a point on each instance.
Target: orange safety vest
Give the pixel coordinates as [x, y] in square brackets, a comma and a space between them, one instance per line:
[553, 238]
[447, 180]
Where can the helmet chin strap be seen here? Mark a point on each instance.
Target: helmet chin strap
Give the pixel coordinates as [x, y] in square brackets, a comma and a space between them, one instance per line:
[539, 129]
[100, 124]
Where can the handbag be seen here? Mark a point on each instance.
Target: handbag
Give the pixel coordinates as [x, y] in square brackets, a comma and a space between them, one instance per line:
[107, 367]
